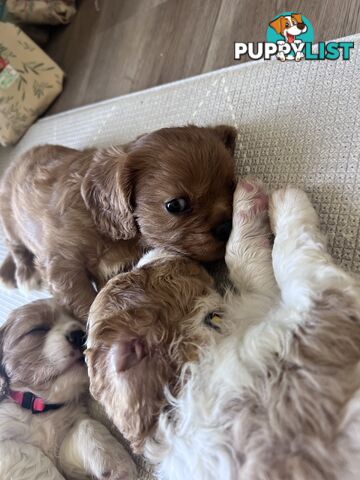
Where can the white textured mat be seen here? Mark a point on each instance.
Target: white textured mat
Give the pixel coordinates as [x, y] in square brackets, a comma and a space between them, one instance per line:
[298, 123]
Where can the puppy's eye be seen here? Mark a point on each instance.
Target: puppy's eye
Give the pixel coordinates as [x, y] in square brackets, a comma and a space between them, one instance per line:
[177, 205]
[213, 320]
[38, 330]
[287, 24]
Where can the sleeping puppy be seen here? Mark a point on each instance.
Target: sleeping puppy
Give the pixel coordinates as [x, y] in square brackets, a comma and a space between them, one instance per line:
[275, 393]
[45, 430]
[143, 326]
[74, 218]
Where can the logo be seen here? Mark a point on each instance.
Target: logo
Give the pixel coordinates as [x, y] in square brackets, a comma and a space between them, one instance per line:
[290, 37]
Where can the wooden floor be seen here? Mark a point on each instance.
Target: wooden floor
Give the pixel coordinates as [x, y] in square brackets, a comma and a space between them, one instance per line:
[129, 45]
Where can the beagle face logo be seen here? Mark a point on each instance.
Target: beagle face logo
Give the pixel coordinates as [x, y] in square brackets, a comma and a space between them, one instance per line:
[293, 29]
[290, 36]
[289, 26]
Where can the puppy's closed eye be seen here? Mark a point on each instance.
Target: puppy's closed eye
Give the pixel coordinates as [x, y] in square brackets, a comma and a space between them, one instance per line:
[39, 329]
[35, 332]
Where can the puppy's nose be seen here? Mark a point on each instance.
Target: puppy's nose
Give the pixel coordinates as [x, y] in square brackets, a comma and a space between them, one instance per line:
[77, 339]
[222, 231]
[301, 26]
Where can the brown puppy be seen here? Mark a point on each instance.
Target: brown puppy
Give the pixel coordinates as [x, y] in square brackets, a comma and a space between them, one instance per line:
[73, 217]
[143, 326]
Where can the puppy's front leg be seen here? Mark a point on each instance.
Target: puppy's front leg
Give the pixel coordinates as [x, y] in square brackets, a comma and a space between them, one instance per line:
[248, 251]
[70, 284]
[301, 263]
[91, 449]
[26, 274]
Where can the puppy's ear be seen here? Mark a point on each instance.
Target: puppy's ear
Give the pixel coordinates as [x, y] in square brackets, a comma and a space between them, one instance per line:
[297, 17]
[276, 25]
[4, 381]
[128, 353]
[106, 190]
[227, 135]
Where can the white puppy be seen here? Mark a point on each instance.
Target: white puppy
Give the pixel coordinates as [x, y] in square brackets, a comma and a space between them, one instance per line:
[45, 430]
[278, 398]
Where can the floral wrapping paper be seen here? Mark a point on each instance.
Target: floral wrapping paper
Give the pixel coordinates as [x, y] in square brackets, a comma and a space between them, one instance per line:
[29, 82]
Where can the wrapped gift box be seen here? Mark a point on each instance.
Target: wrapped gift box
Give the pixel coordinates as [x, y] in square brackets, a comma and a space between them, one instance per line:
[29, 82]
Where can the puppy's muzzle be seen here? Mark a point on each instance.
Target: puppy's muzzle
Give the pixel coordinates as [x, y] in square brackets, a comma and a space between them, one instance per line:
[301, 26]
[222, 231]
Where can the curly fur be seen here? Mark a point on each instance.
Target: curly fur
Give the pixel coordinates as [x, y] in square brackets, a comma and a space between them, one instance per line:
[278, 398]
[276, 394]
[143, 326]
[72, 218]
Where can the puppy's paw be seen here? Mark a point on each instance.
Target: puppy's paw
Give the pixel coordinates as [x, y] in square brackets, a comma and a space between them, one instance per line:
[250, 197]
[289, 207]
[7, 284]
[119, 474]
[250, 216]
[28, 278]
[119, 467]
[7, 273]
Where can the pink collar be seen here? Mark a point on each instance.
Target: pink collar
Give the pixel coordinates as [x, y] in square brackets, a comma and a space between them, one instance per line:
[31, 402]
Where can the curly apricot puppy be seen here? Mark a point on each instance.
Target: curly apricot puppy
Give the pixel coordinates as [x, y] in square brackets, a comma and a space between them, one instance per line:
[72, 218]
[143, 326]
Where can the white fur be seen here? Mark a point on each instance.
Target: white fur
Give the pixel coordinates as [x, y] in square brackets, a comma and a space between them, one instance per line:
[223, 423]
[154, 255]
